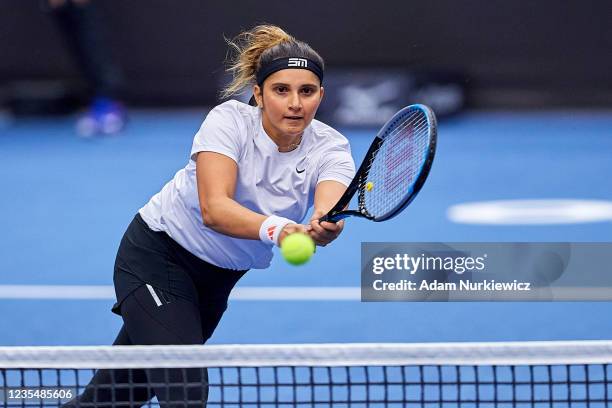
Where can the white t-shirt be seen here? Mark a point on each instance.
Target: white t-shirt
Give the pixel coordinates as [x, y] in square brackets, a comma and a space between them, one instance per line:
[268, 182]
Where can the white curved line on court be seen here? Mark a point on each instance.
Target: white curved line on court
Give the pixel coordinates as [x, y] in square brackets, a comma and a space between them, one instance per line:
[531, 212]
[106, 292]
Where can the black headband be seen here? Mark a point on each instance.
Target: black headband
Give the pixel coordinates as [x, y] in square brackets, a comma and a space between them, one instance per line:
[288, 63]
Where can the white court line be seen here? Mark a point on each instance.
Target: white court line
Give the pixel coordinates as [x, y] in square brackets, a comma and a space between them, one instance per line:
[90, 292]
[531, 212]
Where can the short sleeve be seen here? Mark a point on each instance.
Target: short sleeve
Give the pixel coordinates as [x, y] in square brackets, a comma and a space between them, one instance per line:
[219, 133]
[337, 165]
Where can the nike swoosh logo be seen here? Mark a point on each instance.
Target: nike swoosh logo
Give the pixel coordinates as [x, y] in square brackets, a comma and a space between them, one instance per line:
[300, 171]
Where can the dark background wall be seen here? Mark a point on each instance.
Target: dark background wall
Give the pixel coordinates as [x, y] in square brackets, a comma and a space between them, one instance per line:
[509, 53]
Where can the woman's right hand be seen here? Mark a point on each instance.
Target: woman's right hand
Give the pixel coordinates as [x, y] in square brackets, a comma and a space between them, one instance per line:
[292, 229]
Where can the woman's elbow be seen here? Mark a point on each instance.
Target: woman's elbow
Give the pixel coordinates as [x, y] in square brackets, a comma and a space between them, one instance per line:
[208, 215]
[207, 219]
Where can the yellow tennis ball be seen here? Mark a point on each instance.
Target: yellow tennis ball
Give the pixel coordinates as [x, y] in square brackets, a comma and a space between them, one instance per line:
[297, 248]
[369, 186]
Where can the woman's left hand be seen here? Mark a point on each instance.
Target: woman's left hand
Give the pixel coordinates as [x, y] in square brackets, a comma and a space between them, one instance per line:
[324, 232]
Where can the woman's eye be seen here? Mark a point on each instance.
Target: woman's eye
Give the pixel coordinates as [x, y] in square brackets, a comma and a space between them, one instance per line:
[281, 89]
[307, 91]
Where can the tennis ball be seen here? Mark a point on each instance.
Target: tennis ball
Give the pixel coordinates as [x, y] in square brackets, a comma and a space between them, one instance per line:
[369, 186]
[297, 248]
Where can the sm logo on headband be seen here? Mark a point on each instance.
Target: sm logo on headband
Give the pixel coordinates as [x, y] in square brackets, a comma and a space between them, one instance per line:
[297, 62]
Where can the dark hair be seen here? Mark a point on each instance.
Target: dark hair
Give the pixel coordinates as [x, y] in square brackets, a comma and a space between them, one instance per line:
[262, 44]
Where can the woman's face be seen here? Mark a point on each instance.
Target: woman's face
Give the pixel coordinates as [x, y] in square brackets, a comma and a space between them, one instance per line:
[289, 101]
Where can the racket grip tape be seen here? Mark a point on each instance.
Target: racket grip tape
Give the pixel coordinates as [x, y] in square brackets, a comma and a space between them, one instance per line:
[326, 218]
[333, 217]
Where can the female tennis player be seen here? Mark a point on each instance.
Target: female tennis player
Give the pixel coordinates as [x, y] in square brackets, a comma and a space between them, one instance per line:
[252, 175]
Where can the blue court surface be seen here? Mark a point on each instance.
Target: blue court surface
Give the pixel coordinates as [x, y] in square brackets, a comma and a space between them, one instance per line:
[66, 202]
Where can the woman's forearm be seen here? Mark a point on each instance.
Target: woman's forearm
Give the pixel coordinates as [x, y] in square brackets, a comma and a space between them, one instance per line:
[226, 216]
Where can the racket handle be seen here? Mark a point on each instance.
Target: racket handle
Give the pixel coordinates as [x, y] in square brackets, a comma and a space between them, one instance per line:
[326, 218]
[333, 218]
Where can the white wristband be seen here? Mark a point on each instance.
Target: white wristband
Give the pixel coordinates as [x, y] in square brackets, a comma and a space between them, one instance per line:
[271, 228]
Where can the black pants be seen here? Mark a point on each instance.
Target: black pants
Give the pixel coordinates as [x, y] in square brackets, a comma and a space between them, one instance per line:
[176, 321]
[167, 296]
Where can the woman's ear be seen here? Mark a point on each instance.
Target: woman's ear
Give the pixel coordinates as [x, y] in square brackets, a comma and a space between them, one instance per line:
[258, 95]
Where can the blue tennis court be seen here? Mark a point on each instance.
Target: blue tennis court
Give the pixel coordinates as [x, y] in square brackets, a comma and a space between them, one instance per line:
[67, 201]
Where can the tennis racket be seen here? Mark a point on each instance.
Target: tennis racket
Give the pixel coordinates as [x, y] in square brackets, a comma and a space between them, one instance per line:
[394, 169]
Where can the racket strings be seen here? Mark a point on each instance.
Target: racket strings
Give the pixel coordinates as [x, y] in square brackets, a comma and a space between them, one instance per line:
[361, 197]
[396, 165]
[403, 145]
[406, 152]
[363, 181]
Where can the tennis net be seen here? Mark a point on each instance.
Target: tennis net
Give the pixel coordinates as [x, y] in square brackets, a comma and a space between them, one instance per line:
[514, 374]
